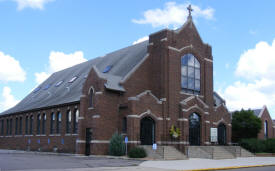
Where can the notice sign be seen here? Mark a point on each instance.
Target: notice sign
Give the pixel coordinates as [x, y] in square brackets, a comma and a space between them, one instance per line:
[214, 134]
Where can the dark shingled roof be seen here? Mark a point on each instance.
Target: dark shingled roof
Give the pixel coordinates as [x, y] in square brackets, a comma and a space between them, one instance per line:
[257, 112]
[121, 61]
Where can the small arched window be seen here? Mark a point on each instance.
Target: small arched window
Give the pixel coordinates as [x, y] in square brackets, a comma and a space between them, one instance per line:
[190, 74]
[91, 97]
[124, 125]
[68, 121]
[38, 124]
[75, 122]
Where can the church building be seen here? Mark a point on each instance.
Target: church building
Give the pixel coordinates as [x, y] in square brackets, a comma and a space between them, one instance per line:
[141, 91]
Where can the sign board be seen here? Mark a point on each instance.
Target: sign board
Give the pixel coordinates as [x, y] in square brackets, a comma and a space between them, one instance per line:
[214, 134]
[126, 139]
[155, 146]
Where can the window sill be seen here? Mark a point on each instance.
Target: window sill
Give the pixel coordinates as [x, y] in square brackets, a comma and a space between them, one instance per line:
[91, 108]
[28, 135]
[55, 135]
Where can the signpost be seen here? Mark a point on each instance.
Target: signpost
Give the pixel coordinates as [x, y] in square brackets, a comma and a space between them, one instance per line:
[214, 135]
[126, 141]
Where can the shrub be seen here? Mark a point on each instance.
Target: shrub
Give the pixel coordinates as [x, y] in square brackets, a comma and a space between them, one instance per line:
[269, 146]
[116, 146]
[137, 152]
[253, 145]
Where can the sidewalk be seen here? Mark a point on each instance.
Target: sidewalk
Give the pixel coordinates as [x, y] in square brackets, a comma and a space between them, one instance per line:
[196, 164]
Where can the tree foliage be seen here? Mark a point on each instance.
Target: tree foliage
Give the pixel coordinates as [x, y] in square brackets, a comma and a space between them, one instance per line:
[116, 146]
[245, 125]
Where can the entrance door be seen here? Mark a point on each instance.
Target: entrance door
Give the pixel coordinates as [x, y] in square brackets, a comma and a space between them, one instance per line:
[147, 131]
[194, 129]
[221, 134]
[88, 140]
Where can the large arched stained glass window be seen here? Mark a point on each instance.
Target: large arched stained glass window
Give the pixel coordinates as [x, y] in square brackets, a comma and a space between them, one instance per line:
[190, 74]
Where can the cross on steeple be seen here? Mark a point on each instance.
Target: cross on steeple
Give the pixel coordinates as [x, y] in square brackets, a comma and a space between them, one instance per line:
[189, 8]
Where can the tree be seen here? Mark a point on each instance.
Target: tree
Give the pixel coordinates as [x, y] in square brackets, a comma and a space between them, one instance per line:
[116, 146]
[245, 125]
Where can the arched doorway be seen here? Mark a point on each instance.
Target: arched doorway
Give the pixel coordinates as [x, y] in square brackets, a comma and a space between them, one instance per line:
[147, 131]
[221, 134]
[194, 129]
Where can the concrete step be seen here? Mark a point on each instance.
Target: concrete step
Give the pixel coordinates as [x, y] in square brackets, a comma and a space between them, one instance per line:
[164, 153]
[209, 152]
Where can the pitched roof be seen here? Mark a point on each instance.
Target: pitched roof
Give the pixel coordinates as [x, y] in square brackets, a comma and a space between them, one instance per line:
[120, 62]
[257, 112]
[218, 99]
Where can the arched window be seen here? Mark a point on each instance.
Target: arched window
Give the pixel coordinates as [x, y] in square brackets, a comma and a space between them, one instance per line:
[31, 124]
[38, 124]
[124, 125]
[91, 98]
[43, 123]
[8, 127]
[16, 126]
[58, 123]
[76, 116]
[11, 127]
[190, 74]
[265, 130]
[26, 125]
[68, 121]
[52, 123]
[20, 125]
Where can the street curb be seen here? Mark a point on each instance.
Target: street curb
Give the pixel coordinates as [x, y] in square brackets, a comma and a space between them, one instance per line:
[228, 168]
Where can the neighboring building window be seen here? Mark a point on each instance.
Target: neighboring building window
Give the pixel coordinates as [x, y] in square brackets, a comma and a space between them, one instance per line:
[76, 116]
[190, 74]
[16, 126]
[91, 97]
[20, 125]
[38, 124]
[7, 127]
[52, 123]
[26, 125]
[68, 121]
[31, 124]
[124, 125]
[43, 123]
[265, 130]
[58, 123]
[10, 126]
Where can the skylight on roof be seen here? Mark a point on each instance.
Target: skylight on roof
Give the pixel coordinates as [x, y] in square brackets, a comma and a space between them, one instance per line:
[73, 79]
[47, 87]
[36, 90]
[59, 83]
[107, 69]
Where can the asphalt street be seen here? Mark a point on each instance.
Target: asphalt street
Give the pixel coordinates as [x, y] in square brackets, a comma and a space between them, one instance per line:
[26, 161]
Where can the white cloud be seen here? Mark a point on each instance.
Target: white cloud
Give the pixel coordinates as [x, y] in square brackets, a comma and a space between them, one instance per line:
[8, 99]
[141, 40]
[59, 61]
[173, 14]
[10, 69]
[35, 4]
[256, 66]
[258, 62]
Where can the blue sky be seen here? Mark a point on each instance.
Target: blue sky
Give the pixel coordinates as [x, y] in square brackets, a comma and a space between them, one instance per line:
[37, 35]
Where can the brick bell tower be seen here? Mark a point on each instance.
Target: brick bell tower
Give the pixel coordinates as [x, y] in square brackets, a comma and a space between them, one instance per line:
[182, 69]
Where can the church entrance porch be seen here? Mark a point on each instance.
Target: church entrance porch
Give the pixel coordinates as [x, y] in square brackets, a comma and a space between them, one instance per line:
[194, 129]
[221, 134]
[147, 131]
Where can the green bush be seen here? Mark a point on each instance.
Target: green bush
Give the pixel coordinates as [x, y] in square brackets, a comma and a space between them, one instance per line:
[137, 152]
[253, 145]
[269, 146]
[116, 146]
[259, 146]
